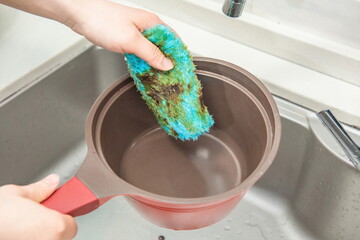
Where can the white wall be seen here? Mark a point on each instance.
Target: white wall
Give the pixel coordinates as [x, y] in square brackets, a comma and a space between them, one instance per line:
[338, 20]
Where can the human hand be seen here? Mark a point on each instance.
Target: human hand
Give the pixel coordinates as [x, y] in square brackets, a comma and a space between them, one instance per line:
[23, 217]
[117, 28]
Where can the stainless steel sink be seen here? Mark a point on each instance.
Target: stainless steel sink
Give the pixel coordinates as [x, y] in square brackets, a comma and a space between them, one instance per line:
[310, 192]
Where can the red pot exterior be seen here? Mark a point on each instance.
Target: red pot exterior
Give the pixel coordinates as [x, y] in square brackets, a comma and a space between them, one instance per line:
[175, 216]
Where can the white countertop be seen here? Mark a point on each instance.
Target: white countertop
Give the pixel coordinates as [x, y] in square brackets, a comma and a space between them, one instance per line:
[30, 46]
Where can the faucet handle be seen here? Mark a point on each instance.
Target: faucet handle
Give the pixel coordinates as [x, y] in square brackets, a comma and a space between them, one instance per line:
[233, 8]
[345, 141]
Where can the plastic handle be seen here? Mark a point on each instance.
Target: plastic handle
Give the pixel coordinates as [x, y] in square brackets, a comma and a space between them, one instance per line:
[72, 198]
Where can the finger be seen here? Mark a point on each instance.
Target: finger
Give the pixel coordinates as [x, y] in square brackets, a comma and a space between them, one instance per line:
[144, 19]
[57, 226]
[40, 190]
[150, 53]
[151, 21]
[70, 226]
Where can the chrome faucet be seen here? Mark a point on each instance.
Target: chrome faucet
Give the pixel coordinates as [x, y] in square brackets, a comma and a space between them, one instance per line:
[348, 145]
[233, 8]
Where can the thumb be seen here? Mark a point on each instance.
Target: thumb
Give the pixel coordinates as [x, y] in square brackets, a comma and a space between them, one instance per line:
[41, 190]
[150, 53]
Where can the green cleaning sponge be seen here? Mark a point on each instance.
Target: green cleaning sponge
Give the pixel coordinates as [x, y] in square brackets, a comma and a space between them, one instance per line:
[174, 96]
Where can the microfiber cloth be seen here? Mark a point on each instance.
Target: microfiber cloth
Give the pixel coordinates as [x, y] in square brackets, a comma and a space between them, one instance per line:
[174, 96]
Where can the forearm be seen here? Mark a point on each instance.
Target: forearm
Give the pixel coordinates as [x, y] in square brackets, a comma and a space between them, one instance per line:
[58, 10]
[107, 24]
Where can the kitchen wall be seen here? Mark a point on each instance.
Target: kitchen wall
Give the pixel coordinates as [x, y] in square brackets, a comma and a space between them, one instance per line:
[331, 19]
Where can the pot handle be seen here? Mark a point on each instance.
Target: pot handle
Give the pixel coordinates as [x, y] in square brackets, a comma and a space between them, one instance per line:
[73, 198]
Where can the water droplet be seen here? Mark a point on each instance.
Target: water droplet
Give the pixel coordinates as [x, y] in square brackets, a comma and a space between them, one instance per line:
[282, 235]
[161, 237]
[230, 219]
[227, 228]
[217, 237]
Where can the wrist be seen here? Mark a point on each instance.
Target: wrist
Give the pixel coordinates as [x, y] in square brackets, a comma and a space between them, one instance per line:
[67, 12]
[77, 11]
[58, 10]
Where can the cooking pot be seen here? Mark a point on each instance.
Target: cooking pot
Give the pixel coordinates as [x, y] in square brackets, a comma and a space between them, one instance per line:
[175, 184]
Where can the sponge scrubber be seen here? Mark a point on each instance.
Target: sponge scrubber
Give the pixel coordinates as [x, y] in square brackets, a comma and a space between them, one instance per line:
[174, 96]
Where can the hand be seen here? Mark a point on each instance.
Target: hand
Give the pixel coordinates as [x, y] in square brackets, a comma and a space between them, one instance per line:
[117, 28]
[22, 217]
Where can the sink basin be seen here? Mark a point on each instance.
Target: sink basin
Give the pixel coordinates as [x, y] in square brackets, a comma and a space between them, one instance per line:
[311, 191]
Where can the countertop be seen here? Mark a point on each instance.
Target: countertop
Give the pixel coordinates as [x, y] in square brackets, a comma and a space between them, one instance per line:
[31, 46]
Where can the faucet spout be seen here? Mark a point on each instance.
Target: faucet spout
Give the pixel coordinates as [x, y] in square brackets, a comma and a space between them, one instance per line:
[233, 8]
[345, 141]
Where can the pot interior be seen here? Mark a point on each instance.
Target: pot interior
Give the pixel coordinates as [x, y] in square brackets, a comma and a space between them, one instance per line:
[141, 153]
